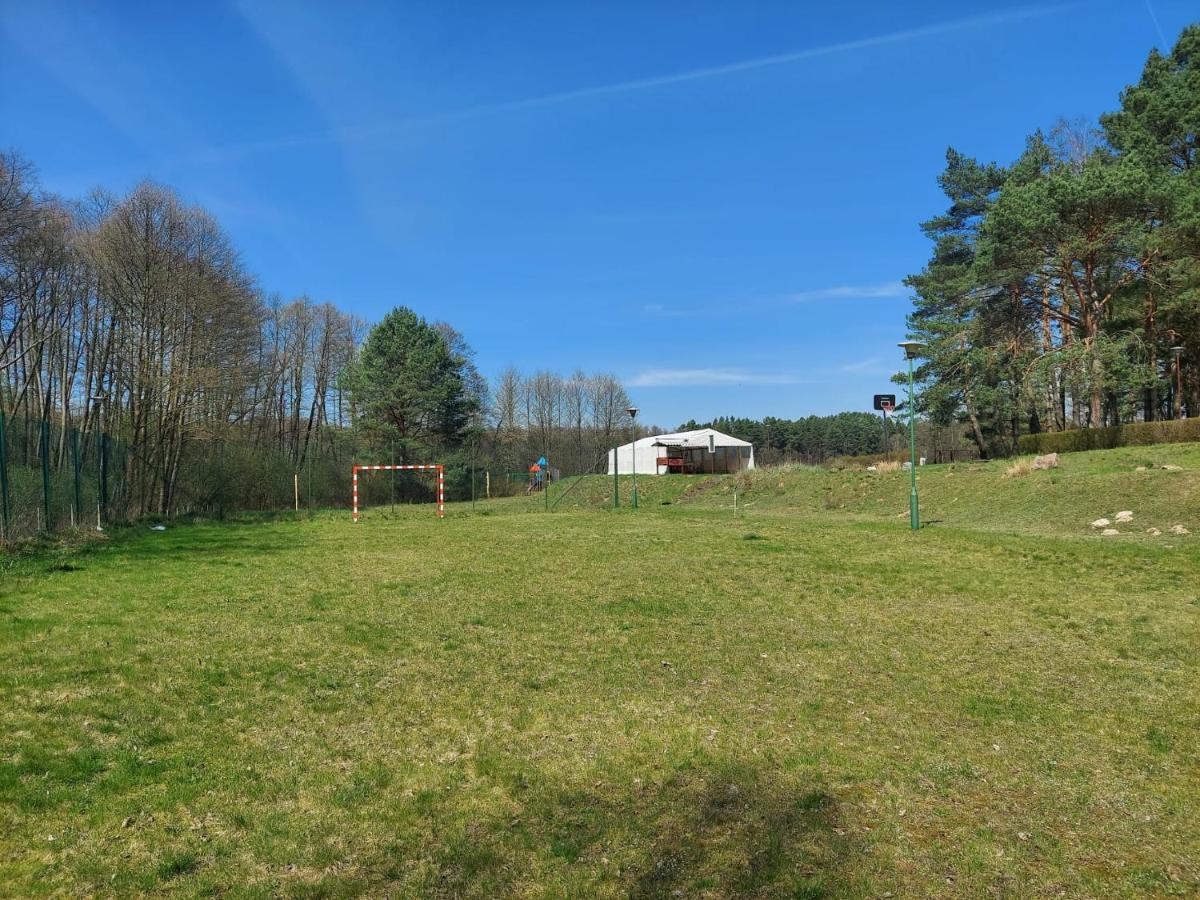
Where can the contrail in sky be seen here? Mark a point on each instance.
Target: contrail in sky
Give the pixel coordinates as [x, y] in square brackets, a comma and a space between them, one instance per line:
[639, 84]
[1166, 47]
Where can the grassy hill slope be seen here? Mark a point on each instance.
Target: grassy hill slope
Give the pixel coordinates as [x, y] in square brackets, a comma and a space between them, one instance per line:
[1062, 501]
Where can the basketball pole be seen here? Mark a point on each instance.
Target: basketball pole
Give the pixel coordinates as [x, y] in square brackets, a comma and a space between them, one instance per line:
[914, 509]
[912, 349]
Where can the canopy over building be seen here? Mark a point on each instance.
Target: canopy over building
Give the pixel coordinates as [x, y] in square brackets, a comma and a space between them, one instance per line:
[702, 450]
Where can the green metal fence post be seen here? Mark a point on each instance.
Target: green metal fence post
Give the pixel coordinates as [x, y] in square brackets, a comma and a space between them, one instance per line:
[78, 487]
[46, 473]
[4, 478]
[103, 461]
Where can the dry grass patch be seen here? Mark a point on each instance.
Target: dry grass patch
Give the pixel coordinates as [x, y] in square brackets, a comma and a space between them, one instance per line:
[1019, 468]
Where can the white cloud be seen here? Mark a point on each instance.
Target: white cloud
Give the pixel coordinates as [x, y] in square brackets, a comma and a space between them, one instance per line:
[705, 378]
[854, 292]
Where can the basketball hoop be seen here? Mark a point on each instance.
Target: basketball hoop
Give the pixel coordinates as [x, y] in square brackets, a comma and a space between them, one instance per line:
[887, 408]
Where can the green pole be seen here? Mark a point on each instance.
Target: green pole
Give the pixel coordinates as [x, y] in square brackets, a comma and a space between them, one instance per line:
[3, 476]
[104, 443]
[75, 465]
[546, 485]
[914, 514]
[46, 473]
[616, 478]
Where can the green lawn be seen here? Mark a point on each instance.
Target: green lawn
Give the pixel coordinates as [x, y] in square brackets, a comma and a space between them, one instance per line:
[806, 700]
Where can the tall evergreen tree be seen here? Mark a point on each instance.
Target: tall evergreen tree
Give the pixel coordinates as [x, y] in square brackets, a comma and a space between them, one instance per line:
[948, 297]
[408, 385]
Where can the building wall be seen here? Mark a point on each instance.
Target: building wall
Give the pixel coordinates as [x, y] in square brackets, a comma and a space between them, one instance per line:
[726, 460]
[646, 457]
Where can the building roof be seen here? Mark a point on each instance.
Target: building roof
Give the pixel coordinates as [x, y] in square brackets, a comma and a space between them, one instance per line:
[697, 438]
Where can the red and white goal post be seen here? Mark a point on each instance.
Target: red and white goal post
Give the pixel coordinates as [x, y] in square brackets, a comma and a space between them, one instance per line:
[441, 483]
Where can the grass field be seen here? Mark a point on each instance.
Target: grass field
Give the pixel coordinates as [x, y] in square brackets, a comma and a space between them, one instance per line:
[804, 700]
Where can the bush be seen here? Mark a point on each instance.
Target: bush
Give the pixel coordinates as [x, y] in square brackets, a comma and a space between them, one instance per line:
[1132, 435]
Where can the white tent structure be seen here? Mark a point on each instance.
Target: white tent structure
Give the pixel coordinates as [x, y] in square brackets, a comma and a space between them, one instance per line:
[702, 450]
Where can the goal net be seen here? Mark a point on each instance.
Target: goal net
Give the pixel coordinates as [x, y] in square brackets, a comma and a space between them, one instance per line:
[438, 471]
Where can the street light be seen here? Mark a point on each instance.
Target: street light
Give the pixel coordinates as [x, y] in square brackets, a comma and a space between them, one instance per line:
[912, 349]
[1177, 352]
[633, 411]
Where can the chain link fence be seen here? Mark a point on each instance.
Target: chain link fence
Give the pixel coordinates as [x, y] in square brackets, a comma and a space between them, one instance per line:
[54, 477]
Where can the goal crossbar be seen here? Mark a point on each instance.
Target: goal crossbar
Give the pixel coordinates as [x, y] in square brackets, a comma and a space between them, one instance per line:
[440, 471]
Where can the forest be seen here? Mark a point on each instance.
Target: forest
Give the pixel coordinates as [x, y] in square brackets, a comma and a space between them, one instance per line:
[1063, 290]
[812, 439]
[137, 350]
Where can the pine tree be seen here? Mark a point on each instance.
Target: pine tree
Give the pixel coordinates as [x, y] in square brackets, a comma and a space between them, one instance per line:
[408, 385]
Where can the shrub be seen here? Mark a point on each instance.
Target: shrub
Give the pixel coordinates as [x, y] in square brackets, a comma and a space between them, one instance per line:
[1134, 434]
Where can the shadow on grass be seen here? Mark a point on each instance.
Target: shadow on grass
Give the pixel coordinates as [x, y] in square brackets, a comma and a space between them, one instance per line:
[712, 827]
[181, 542]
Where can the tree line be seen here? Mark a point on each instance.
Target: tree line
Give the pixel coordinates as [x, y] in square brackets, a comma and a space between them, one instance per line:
[1064, 289]
[813, 439]
[572, 420]
[135, 317]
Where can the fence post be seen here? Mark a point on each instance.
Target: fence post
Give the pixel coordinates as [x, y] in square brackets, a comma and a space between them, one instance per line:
[75, 465]
[46, 473]
[4, 478]
[103, 476]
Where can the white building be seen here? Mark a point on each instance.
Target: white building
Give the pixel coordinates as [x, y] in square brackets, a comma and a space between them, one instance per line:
[703, 450]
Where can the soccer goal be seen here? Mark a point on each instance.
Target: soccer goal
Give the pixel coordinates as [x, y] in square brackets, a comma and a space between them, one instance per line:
[432, 470]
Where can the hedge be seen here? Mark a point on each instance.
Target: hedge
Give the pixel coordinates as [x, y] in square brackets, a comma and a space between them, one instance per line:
[1135, 434]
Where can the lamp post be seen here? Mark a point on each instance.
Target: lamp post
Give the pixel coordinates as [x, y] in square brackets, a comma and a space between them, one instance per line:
[912, 349]
[633, 411]
[1177, 352]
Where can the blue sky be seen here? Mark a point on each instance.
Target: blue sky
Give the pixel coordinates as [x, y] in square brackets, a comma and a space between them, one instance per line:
[717, 202]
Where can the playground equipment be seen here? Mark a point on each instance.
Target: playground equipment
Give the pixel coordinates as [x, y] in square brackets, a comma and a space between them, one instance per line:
[540, 476]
